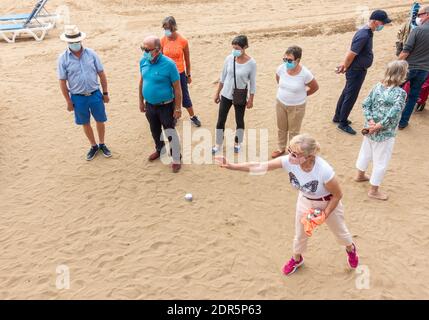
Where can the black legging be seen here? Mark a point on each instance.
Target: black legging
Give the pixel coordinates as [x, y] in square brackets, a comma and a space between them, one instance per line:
[225, 105]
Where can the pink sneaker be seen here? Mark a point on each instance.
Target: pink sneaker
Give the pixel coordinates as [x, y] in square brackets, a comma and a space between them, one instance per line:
[292, 266]
[353, 258]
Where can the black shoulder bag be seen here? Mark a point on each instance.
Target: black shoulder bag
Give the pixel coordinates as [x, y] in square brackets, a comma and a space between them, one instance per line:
[239, 96]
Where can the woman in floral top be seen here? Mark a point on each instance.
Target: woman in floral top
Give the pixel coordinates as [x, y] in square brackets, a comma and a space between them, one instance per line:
[382, 109]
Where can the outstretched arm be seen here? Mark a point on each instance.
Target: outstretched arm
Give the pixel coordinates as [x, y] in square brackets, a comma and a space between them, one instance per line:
[254, 167]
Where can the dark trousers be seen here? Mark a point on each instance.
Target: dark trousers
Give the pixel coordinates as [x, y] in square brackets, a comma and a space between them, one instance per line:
[225, 105]
[417, 78]
[348, 98]
[161, 117]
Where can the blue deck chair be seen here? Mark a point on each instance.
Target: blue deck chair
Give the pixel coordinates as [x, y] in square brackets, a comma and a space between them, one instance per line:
[30, 26]
[18, 18]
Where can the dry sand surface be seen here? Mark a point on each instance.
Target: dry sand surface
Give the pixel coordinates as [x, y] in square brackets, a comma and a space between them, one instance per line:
[122, 226]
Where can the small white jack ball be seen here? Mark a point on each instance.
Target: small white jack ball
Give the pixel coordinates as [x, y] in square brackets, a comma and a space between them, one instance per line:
[188, 197]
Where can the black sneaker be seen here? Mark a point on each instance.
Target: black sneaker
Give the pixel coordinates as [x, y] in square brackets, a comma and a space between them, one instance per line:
[337, 121]
[347, 129]
[105, 150]
[420, 107]
[196, 121]
[92, 153]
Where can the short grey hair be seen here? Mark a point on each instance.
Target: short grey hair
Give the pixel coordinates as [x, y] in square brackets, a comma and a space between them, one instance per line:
[170, 22]
[396, 73]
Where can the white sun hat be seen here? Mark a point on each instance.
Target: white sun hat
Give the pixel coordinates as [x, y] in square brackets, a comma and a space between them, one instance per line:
[72, 34]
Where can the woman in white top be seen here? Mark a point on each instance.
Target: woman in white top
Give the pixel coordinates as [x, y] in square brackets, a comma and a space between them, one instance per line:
[296, 83]
[319, 189]
[245, 78]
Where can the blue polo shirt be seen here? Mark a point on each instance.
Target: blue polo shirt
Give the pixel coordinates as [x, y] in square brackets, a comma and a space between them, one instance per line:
[80, 73]
[158, 79]
[362, 45]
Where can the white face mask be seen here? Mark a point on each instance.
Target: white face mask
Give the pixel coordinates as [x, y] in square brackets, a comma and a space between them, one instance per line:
[419, 21]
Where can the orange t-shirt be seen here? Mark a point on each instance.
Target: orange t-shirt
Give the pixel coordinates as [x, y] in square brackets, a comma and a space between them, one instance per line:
[175, 50]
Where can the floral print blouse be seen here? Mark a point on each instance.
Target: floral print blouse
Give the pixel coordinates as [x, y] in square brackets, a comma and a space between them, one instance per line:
[384, 105]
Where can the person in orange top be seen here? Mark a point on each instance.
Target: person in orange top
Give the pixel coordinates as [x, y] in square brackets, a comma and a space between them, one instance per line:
[176, 48]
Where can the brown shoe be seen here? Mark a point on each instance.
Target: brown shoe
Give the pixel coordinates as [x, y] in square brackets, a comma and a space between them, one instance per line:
[277, 154]
[154, 156]
[176, 167]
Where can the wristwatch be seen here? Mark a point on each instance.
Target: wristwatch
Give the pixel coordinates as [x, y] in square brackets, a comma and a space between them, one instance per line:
[105, 93]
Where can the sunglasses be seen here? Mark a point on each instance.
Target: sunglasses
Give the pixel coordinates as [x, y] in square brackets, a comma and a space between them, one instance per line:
[293, 154]
[288, 60]
[146, 49]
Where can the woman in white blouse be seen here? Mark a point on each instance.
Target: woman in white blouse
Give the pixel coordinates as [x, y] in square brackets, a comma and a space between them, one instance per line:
[296, 83]
[319, 189]
[239, 72]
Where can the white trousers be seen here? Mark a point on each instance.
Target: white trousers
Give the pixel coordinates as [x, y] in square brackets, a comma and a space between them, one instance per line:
[336, 223]
[379, 153]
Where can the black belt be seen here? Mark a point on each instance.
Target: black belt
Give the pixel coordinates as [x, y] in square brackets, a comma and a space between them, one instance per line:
[86, 94]
[326, 198]
[161, 103]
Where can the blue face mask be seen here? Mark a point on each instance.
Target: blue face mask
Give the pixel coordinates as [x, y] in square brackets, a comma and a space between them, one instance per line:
[168, 33]
[236, 53]
[379, 28]
[290, 65]
[148, 56]
[75, 46]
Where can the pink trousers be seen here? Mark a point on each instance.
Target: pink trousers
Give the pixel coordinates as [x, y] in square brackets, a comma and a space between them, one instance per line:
[336, 223]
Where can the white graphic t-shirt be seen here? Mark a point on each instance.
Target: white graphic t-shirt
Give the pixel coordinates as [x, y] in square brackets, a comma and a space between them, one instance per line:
[311, 184]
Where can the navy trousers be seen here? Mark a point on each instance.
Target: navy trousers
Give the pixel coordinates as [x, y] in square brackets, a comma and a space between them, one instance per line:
[417, 78]
[350, 94]
[161, 117]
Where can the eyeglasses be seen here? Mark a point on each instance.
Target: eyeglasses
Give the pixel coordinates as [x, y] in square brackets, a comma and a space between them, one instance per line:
[420, 14]
[288, 60]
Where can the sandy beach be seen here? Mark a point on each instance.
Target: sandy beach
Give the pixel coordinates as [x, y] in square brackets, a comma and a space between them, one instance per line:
[122, 226]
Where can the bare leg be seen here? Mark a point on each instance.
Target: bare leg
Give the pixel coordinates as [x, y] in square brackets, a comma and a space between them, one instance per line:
[361, 177]
[297, 257]
[101, 129]
[349, 248]
[191, 111]
[89, 133]
[376, 194]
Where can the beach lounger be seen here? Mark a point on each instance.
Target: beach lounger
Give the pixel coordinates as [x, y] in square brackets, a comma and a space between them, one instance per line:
[12, 31]
[30, 26]
[40, 8]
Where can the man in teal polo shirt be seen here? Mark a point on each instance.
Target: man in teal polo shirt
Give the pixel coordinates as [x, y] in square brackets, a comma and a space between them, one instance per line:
[160, 98]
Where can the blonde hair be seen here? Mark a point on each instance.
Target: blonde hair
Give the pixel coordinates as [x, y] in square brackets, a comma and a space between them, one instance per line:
[396, 73]
[307, 144]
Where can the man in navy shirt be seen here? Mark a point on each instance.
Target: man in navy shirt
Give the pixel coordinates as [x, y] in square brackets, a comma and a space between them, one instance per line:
[358, 60]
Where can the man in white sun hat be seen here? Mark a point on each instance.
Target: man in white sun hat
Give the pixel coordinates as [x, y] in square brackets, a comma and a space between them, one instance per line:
[78, 72]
